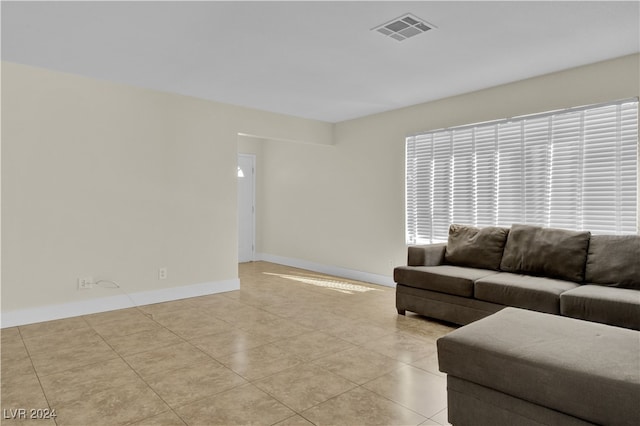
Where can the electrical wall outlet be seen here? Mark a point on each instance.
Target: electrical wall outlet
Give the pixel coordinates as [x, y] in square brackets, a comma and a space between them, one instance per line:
[85, 283]
[162, 273]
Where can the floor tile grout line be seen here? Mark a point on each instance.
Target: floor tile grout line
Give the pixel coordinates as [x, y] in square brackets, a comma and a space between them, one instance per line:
[368, 390]
[44, 335]
[115, 355]
[432, 417]
[254, 381]
[396, 402]
[210, 396]
[315, 405]
[171, 407]
[334, 305]
[147, 384]
[35, 372]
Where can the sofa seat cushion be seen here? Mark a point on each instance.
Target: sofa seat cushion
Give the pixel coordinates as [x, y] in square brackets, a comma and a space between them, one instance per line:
[580, 368]
[447, 279]
[614, 306]
[523, 291]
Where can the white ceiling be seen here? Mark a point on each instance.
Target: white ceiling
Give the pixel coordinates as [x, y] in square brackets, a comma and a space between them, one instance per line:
[316, 59]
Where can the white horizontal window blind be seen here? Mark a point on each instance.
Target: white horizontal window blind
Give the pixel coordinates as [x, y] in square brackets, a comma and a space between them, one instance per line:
[572, 169]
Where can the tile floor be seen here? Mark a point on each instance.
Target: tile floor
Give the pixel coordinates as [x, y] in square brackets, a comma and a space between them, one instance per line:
[292, 347]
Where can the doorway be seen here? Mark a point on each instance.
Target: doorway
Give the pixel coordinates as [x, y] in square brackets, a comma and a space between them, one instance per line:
[246, 207]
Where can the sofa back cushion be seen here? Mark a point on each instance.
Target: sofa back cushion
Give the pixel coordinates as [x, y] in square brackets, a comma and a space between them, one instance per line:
[476, 247]
[549, 252]
[614, 260]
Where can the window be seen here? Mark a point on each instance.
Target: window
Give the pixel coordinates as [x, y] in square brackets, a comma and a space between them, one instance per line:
[573, 169]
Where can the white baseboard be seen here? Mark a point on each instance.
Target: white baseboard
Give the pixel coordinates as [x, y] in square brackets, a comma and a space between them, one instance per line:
[327, 269]
[122, 301]
[103, 304]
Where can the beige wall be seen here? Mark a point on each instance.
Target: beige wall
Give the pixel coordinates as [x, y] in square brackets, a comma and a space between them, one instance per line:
[114, 182]
[343, 205]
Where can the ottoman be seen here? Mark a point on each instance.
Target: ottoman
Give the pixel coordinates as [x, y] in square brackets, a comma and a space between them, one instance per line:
[520, 367]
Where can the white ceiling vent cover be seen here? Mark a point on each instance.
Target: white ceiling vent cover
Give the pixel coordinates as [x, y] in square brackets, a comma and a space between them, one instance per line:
[404, 27]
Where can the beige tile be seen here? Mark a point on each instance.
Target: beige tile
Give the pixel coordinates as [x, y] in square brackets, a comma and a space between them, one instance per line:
[248, 316]
[112, 406]
[358, 364]
[258, 298]
[260, 362]
[304, 386]
[168, 418]
[130, 324]
[192, 323]
[166, 359]
[216, 300]
[21, 394]
[158, 308]
[441, 418]
[217, 304]
[13, 349]
[195, 382]
[88, 380]
[361, 407]
[28, 417]
[22, 391]
[317, 318]
[403, 347]
[48, 327]
[120, 315]
[307, 298]
[245, 405]
[313, 345]
[296, 420]
[420, 326]
[143, 341]
[357, 332]
[65, 358]
[292, 308]
[430, 364]
[273, 321]
[69, 338]
[16, 366]
[386, 318]
[279, 329]
[229, 342]
[413, 388]
[9, 334]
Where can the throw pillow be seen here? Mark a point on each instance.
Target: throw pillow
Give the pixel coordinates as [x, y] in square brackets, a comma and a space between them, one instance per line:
[549, 252]
[614, 260]
[475, 247]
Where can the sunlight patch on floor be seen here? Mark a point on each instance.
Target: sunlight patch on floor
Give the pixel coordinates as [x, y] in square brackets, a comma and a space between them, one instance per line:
[340, 286]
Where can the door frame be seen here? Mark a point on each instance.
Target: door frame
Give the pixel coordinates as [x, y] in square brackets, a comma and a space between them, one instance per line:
[252, 158]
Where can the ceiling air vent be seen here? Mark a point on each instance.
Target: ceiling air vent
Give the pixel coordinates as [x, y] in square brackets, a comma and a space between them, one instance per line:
[404, 27]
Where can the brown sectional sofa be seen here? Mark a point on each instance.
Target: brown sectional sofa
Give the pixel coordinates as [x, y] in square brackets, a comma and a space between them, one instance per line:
[480, 271]
[536, 361]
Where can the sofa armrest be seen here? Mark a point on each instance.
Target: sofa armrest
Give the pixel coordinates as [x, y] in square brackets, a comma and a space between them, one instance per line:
[426, 255]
